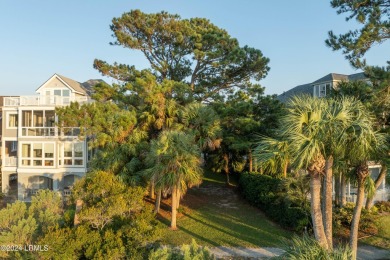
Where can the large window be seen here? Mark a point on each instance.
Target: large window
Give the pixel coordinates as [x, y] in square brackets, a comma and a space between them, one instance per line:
[12, 120]
[73, 154]
[38, 154]
[38, 123]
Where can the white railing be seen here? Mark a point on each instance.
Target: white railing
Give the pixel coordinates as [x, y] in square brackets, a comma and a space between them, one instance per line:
[39, 131]
[51, 131]
[43, 100]
[10, 161]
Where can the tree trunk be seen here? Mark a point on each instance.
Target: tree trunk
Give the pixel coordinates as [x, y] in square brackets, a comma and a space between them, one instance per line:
[285, 170]
[158, 202]
[337, 190]
[174, 208]
[328, 199]
[226, 167]
[178, 199]
[353, 240]
[255, 165]
[378, 182]
[250, 159]
[343, 190]
[151, 190]
[315, 206]
[79, 205]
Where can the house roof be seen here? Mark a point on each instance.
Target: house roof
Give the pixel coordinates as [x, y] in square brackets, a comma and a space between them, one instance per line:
[357, 76]
[298, 90]
[77, 86]
[83, 88]
[331, 77]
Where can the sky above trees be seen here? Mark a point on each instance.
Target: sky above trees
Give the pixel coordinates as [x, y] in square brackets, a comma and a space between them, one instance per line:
[44, 37]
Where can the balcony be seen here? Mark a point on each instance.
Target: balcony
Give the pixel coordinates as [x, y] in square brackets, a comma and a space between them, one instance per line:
[43, 101]
[10, 161]
[51, 131]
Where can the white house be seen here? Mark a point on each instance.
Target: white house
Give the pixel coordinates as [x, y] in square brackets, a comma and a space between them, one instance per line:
[35, 153]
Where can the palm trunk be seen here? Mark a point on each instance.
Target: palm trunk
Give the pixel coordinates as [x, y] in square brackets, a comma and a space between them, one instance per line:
[343, 190]
[226, 167]
[356, 218]
[158, 202]
[378, 182]
[362, 173]
[250, 159]
[328, 199]
[174, 208]
[178, 199]
[315, 206]
[151, 190]
[255, 165]
[337, 190]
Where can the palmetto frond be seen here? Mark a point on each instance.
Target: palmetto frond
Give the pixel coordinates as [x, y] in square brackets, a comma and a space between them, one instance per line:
[272, 154]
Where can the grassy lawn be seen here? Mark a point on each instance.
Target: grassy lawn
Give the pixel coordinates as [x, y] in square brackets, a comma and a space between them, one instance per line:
[381, 240]
[215, 215]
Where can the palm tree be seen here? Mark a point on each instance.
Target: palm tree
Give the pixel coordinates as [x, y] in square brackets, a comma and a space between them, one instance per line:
[175, 165]
[316, 132]
[302, 129]
[362, 142]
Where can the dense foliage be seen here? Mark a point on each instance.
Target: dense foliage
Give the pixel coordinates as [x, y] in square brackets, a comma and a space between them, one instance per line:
[114, 222]
[267, 193]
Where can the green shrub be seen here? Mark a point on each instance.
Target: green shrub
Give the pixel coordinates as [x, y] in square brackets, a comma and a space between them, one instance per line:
[186, 252]
[383, 206]
[307, 248]
[268, 194]
[342, 217]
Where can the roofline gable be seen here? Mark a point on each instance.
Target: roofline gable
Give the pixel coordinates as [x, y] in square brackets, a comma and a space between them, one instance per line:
[60, 79]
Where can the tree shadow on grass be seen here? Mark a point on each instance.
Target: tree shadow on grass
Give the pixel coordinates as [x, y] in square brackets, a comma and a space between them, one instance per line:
[238, 231]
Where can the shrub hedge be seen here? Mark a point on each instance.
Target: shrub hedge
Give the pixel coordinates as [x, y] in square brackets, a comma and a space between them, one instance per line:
[262, 191]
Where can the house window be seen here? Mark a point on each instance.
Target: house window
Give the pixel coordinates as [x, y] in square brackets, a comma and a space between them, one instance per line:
[73, 154]
[12, 120]
[14, 146]
[62, 92]
[322, 90]
[38, 154]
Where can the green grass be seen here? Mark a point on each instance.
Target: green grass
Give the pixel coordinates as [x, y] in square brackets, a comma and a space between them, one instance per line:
[382, 239]
[219, 178]
[214, 215]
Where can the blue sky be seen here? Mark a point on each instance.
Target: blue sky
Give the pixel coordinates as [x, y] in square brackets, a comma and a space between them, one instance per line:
[40, 38]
